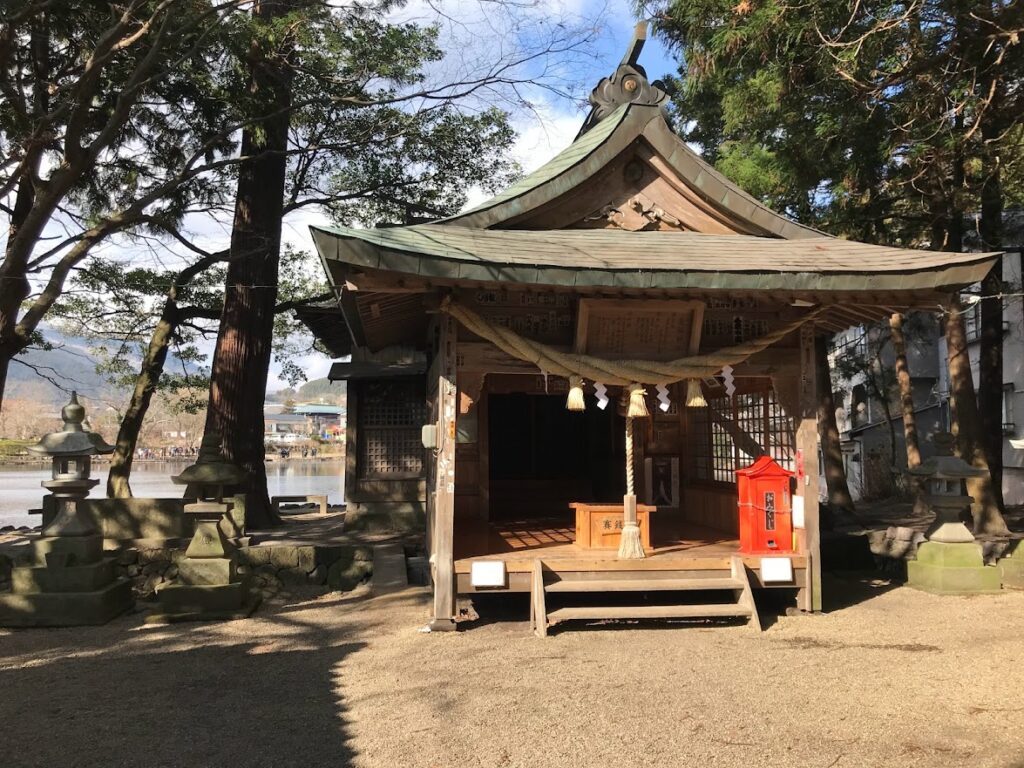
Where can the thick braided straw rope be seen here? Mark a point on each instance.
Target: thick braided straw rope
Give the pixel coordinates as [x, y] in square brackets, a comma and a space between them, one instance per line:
[623, 372]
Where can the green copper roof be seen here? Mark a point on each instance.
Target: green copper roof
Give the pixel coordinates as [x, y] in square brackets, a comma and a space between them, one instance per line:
[588, 257]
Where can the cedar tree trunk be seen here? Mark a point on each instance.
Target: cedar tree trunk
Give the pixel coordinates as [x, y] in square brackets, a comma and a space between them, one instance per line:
[899, 348]
[241, 361]
[839, 497]
[987, 517]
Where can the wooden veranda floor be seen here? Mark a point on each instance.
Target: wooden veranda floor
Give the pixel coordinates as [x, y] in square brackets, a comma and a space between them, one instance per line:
[519, 543]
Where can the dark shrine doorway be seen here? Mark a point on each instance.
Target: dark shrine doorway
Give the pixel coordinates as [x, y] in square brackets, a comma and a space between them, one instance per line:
[543, 456]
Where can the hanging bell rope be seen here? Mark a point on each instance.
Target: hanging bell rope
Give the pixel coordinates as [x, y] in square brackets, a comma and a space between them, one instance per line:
[631, 546]
[621, 372]
[637, 408]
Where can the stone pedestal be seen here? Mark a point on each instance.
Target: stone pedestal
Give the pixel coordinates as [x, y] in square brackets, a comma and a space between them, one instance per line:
[951, 561]
[208, 586]
[1011, 567]
[952, 569]
[66, 580]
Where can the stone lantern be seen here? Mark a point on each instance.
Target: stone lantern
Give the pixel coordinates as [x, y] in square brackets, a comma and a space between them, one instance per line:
[208, 584]
[67, 580]
[950, 562]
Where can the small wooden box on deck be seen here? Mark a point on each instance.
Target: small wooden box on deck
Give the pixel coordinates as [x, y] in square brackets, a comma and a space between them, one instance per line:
[599, 526]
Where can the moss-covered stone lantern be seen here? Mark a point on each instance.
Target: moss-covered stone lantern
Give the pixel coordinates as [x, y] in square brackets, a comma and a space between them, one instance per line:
[66, 580]
[950, 562]
[208, 584]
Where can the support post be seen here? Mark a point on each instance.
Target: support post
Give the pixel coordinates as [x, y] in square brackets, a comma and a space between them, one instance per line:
[807, 486]
[442, 539]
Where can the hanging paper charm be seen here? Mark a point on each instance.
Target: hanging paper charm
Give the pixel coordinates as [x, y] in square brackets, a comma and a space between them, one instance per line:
[602, 395]
[663, 402]
[728, 381]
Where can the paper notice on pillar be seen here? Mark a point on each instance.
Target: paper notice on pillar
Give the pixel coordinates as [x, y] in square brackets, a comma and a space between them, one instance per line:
[798, 511]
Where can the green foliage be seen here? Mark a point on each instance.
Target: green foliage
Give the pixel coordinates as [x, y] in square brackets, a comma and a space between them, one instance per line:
[864, 119]
[371, 143]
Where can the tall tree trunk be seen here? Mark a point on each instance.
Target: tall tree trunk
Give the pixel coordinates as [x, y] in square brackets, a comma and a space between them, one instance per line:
[990, 361]
[906, 388]
[839, 497]
[988, 519]
[899, 347]
[118, 484]
[241, 360]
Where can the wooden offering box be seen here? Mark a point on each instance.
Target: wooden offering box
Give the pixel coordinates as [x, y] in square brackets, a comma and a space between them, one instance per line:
[599, 526]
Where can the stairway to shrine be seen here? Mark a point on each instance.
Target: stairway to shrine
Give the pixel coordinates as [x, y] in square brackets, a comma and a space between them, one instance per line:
[559, 596]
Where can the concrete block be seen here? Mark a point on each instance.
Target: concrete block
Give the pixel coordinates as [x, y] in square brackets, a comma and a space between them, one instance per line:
[207, 571]
[139, 518]
[66, 609]
[73, 549]
[220, 598]
[952, 569]
[75, 578]
[1011, 567]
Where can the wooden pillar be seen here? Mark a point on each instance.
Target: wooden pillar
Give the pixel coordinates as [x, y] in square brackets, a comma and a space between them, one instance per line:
[442, 538]
[807, 444]
[351, 441]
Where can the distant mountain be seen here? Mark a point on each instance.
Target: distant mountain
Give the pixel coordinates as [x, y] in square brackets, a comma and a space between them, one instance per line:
[72, 364]
[312, 391]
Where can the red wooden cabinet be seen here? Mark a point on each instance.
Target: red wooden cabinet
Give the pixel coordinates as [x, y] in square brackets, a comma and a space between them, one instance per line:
[766, 518]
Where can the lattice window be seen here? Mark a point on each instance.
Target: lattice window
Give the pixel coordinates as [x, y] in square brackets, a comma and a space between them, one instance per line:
[782, 432]
[758, 421]
[391, 414]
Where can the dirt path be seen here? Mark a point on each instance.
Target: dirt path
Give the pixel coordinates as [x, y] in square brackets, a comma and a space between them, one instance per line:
[895, 678]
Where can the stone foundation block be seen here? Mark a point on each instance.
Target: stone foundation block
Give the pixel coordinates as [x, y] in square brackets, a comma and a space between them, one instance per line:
[212, 599]
[202, 572]
[952, 569]
[75, 550]
[1011, 567]
[66, 609]
[73, 578]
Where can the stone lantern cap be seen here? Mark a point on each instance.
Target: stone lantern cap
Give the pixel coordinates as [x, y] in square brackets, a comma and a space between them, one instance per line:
[211, 468]
[944, 465]
[74, 439]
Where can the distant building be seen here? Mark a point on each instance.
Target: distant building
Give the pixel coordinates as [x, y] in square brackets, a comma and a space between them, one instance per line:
[310, 420]
[861, 418]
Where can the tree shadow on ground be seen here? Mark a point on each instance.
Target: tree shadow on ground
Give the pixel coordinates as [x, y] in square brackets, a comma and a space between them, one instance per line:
[186, 696]
[844, 589]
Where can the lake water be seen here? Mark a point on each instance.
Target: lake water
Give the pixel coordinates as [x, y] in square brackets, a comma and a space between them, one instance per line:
[20, 489]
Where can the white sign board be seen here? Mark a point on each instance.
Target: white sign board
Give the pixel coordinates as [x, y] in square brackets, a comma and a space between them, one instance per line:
[775, 570]
[798, 512]
[487, 573]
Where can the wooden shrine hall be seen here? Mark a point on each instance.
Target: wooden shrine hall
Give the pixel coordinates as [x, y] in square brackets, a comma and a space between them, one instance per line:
[562, 383]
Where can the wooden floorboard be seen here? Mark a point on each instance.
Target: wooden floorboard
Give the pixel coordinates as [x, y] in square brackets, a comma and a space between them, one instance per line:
[519, 543]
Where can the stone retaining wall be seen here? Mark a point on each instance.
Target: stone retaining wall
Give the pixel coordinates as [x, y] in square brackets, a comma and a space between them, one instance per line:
[271, 568]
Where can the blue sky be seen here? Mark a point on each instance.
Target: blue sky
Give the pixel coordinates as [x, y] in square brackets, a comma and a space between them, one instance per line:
[552, 123]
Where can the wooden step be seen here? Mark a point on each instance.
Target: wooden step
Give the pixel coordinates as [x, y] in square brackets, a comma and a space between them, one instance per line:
[706, 611]
[642, 585]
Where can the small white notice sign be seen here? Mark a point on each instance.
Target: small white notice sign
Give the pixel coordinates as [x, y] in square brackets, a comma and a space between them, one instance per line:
[487, 573]
[776, 570]
[798, 511]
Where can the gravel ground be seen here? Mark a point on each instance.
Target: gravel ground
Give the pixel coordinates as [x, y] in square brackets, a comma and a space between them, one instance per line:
[888, 677]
